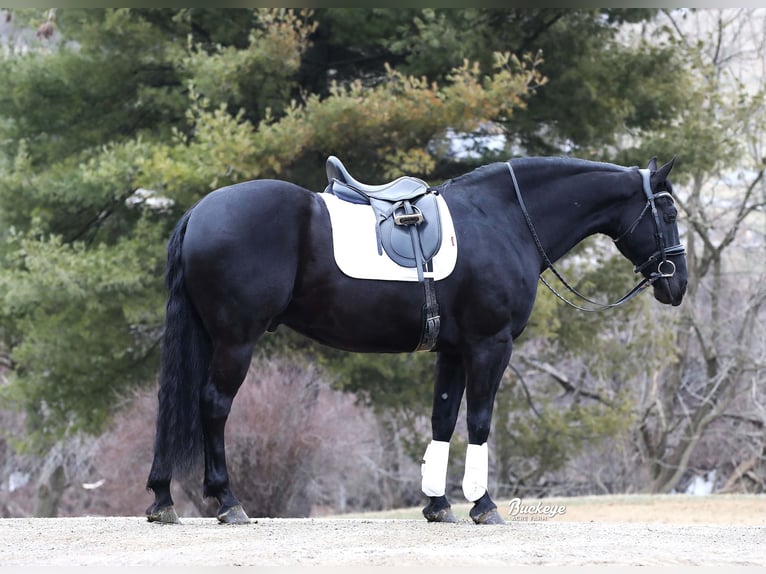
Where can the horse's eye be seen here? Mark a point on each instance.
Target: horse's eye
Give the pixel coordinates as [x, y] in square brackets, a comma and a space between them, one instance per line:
[671, 216]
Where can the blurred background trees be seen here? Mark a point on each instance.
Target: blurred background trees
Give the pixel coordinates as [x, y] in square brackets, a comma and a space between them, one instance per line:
[114, 121]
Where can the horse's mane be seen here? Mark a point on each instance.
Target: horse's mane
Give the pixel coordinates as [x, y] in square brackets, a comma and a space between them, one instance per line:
[480, 172]
[567, 164]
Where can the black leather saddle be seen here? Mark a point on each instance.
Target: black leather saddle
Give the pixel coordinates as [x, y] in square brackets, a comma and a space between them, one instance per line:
[406, 211]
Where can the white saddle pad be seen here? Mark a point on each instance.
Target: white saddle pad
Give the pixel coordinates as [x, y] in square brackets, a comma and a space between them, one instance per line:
[355, 245]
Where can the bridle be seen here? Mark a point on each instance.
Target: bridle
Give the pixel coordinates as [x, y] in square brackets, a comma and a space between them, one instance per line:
[663, 251]
[665, 267]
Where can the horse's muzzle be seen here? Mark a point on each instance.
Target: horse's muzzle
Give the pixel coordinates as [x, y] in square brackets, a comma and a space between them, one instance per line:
[670, 290]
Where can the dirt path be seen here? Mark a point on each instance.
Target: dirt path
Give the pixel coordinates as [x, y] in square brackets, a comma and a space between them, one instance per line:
[376, 542]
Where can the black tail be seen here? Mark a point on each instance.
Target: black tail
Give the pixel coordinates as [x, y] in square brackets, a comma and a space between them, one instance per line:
[186, 350]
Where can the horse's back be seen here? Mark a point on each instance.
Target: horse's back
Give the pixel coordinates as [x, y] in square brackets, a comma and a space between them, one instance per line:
[235, 220]
[245, 202]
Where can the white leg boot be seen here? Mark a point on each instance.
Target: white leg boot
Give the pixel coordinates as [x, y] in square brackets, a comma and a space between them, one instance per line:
[476, 471]
[434, 468]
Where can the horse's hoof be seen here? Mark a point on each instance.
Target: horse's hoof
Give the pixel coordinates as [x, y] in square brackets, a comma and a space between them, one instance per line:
[165, 515]
[491, 516]
[234, 515]
[434, 513]
[443, 515]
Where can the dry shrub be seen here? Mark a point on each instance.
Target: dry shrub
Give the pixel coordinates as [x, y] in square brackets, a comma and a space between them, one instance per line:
[295, 447]
[114, 482]
[293, 443]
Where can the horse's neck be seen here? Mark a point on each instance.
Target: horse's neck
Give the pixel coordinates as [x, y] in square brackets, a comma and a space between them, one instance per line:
[567, 208]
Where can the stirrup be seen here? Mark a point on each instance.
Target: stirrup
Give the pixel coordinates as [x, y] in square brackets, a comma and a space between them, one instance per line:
[409, 218]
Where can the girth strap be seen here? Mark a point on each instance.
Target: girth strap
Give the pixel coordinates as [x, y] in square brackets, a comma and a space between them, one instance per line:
[431, 318]
[430, 312]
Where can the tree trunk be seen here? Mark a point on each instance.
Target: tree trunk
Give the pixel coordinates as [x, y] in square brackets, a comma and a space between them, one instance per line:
[49, 492]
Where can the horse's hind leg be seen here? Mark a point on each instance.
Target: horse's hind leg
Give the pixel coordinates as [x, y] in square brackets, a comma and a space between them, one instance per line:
[448, 392]
[228, 369]
[162, 509]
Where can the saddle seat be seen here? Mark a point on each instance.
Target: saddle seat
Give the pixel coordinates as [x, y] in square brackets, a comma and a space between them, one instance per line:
[346, 187]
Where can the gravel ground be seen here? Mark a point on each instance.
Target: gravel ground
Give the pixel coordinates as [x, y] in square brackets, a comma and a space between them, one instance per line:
[132, 541]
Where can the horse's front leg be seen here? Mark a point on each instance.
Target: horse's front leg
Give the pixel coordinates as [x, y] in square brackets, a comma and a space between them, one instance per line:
[448, 392]
[228, 369]
[485, 366]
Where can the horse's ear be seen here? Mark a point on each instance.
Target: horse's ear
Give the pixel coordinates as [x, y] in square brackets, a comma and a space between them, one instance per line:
[662, 173]
[652, 164]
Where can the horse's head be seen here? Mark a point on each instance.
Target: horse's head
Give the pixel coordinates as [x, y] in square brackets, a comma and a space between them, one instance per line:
[650, 235]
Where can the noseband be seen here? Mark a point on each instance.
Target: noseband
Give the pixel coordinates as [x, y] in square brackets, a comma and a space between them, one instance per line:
[665, 267]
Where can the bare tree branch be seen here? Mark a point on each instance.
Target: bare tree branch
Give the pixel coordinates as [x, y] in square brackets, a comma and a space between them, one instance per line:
[564, 381]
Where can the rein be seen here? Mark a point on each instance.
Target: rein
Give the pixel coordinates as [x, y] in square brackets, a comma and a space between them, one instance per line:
[665, 268]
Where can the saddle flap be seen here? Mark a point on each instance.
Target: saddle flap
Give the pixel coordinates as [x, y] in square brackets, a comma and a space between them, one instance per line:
[397, 240]
[356, 237]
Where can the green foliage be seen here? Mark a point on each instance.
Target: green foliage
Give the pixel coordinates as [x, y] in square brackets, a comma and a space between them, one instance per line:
[384, 382]
[83, 325]
[115, 82]
[532, 442]
[720, 117]
[259, 77]
[82, 196]
[598, 87]
[374, 128]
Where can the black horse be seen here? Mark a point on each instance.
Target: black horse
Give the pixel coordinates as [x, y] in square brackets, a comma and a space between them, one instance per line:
[255, 255]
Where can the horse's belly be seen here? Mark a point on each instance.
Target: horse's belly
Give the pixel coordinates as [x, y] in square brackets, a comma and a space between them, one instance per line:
[359, 315]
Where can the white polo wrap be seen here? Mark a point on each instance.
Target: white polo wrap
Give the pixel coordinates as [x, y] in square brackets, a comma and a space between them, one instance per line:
[434, 468]
[476, 471]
